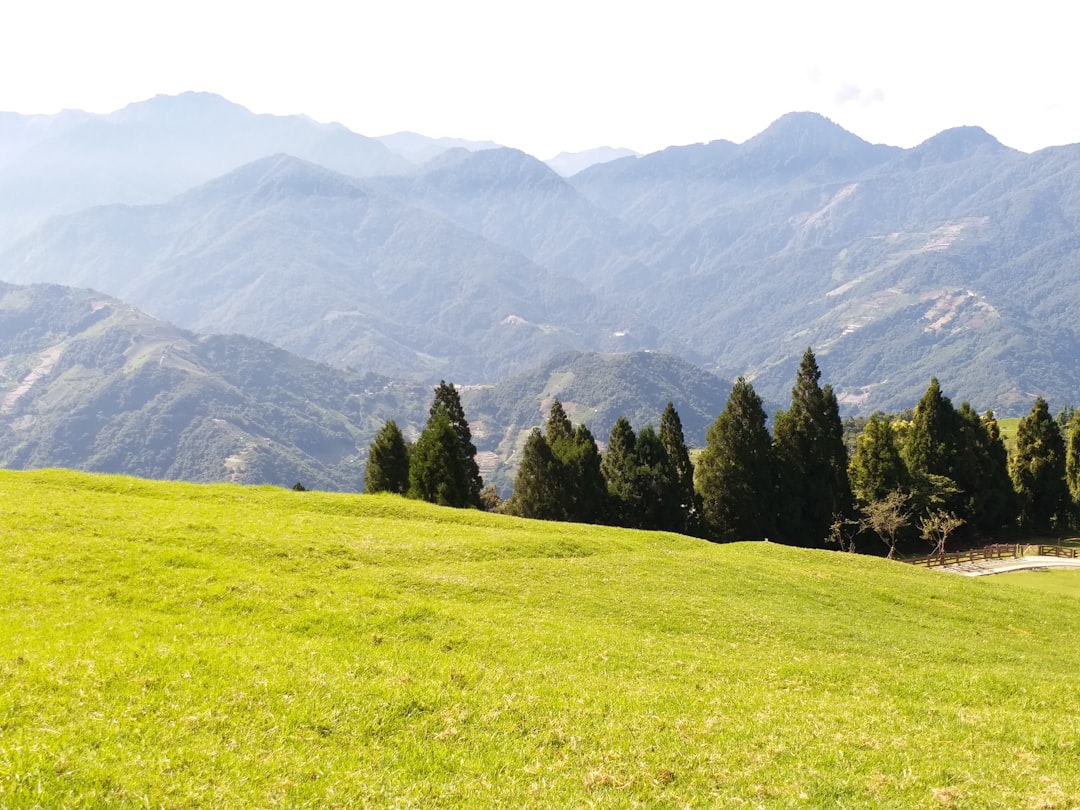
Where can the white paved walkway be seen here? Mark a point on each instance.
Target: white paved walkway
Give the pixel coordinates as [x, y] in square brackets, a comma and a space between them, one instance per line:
[982, 568]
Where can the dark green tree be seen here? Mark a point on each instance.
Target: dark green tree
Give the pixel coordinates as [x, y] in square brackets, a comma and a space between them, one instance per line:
[558, 424]
[736, 472]
[986, 501]
[876, 468]
[931, 452]
[1072, 460]
[931, 442]
[688, 519]
[538, 485]
[656, 486]
[619, 467]
[584, 489]
[446, 396]
[436, 473]
[811, 459]
[1037, 469]
[388, 462]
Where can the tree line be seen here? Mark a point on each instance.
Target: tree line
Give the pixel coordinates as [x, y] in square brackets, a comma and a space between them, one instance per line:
[941, 475]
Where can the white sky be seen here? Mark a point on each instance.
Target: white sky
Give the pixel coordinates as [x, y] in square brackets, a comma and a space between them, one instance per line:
[567, 74]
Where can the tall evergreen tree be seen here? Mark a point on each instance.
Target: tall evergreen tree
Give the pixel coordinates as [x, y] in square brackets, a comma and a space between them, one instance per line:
[986, 500]
[436, 473]
[584, 489]
[619, 467]
[671, 436]
[1072, 460]
[735, 473]
[538, 486]
[932, 451]
[656, 486]
[446, 397]
[1037, 469]
[388, 462]
[876, 468]
[931, 443]
[558, 424]
[812, 460]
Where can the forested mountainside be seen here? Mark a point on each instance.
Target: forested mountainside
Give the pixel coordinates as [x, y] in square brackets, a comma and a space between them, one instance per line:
[955, 258]
[87, 382]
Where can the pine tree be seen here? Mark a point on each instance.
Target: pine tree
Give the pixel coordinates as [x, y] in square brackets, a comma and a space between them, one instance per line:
[436, 473]
[656, 487]
[930, 448]
[1072, 459]
[671, 436]
[811, 460]
[1037, 469]
[558, 424]
[446, 396]
[876, 468]
[619, 467]
[931, 452]
[986, 501]
[388, 462]
[537, 488]
[584, 488]
[735, 474]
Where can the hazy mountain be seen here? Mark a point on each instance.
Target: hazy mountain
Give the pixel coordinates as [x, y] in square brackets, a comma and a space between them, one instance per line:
[514, 200]
[420, 149]
[568, 163]
[328, 267]
[152, 150]
[595, 389]
[957, 258]
[87, 382]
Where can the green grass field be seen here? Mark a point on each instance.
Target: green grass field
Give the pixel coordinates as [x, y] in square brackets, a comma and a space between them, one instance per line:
[172, 645]
[1060, 582]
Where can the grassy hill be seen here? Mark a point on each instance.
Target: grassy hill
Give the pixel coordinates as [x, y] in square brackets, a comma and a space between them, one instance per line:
[181, 645]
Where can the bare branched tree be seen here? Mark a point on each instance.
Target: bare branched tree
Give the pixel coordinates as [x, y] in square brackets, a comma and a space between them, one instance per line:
[936, 528]
[887, 517]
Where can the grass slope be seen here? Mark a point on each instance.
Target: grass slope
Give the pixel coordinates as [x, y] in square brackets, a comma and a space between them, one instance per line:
[178, 645]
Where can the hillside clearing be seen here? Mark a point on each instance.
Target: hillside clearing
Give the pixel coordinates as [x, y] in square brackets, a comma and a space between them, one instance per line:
[179, 645]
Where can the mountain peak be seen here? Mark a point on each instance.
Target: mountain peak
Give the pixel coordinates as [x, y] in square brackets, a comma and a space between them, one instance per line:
[806, 143]
[958, 143]
[804, 130]
[188, 103]
[279, 174]
[491, 167]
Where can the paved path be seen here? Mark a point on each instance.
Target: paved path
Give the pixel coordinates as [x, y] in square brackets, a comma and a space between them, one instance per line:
[982, 568]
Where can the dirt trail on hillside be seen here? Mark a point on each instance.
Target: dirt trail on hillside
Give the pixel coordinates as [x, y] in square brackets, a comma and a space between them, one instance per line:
[46, 361]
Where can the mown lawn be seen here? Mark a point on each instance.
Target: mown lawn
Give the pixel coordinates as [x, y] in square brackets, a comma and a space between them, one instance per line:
[171, 645]
[1060, 581]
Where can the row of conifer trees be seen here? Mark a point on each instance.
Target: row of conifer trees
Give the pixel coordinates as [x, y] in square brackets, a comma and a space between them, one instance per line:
[944, 472]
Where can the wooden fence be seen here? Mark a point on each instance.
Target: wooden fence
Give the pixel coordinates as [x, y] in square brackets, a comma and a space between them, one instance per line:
[998, 551]
[1059, 551]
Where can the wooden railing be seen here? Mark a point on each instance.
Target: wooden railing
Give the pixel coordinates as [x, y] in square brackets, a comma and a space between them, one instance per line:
[1058, 551]
[998, 551]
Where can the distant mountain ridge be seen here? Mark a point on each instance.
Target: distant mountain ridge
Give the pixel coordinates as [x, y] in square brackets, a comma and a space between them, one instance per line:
[326, 266]
[957, 258]
[87, 382]
[151, 150]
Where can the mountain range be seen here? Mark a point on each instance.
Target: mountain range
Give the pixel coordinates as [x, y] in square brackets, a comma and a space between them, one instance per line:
[955, 258]
[88, 382]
